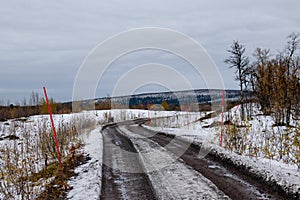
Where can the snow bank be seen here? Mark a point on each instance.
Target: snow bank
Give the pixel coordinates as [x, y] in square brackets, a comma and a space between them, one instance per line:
[286, 176]
[88, 181]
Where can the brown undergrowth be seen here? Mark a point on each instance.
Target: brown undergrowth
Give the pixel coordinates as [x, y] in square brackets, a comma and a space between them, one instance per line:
[59, 187]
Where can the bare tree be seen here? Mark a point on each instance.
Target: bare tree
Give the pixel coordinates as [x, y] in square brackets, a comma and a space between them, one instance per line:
[34, 98]
[24, 102]
[7, 102]
[240, 62]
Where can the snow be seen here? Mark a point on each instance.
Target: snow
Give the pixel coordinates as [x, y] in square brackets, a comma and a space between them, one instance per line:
[185, 125]
[285, 175]
[33, 123]
[88, 181]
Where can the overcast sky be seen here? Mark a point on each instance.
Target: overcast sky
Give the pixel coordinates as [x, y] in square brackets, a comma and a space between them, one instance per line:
[45, 42]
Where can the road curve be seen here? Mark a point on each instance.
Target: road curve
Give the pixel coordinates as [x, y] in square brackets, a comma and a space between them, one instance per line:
[119, 184]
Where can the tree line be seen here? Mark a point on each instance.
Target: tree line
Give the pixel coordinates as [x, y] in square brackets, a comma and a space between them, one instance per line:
[34, 106]
[274, 80]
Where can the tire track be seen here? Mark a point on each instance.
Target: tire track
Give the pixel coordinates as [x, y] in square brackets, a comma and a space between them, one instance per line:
[171, 178]
[117, 181]
[231, 181]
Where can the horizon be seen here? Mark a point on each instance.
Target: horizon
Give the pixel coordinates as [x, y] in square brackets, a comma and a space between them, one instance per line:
[121, 96]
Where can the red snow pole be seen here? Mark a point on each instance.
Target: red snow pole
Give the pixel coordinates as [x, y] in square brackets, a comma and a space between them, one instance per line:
[149, 120]
[222, 123]
[53, 129]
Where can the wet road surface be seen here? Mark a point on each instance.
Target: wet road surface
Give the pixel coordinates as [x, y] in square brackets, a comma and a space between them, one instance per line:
[120, 180]
[231, 181]
[117, 182]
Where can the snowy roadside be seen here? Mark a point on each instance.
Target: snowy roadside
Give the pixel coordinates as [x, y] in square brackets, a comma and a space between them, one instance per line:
[88, 181]
[189, 127]
[286, 176]
[13, 132]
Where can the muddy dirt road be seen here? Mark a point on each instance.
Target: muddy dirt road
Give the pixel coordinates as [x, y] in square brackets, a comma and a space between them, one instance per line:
[169, 168]
[119, 183]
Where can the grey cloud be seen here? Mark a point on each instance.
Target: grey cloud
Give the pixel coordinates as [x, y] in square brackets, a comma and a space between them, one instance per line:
[44, 42]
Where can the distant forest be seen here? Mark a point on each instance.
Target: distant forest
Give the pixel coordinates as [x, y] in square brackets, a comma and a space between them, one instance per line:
[176, 101]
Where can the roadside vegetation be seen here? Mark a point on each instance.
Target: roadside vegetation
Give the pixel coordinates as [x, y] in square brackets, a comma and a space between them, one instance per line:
[28, 157]
[268, 124]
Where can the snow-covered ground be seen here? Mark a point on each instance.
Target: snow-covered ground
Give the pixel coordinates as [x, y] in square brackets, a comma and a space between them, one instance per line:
[88, 181]
[188, 127]
[182, 124]
[287, 175]
[28, 130]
